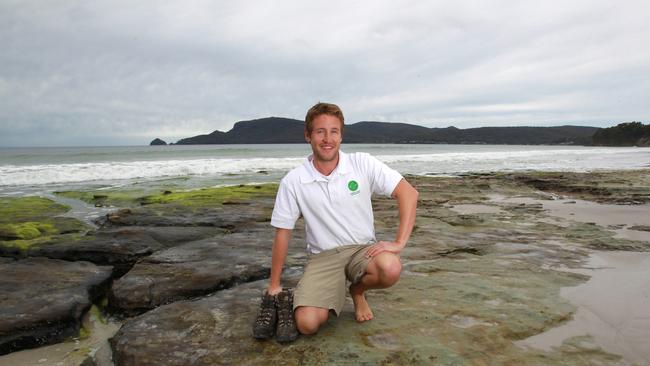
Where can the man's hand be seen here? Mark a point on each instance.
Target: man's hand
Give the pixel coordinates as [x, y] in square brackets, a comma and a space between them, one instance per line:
[274, 290]
[407, 201]
[384, 246]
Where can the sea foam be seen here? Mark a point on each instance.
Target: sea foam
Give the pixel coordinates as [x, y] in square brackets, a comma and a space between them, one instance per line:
[404, 158]
[82, 172]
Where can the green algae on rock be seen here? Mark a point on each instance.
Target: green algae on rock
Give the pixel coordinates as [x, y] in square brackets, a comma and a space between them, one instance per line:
[29, 227]
[46, 227]
[30, 221]
[211, 196]
[26, 230]
[223, 207]
[31, 208]
[197, 198]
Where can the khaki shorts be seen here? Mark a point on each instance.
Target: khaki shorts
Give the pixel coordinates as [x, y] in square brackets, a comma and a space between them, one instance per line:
[323, 284]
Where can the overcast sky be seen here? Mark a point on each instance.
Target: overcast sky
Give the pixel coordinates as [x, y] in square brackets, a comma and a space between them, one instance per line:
[125, 72]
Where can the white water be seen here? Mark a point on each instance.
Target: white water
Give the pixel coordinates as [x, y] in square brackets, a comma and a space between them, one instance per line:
[66, 173]
[55, 168]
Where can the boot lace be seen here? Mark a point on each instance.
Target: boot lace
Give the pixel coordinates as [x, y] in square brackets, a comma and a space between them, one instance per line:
[285, 310]
[266, 313]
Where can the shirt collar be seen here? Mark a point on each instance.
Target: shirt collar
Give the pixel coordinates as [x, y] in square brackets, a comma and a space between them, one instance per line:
[309, 173]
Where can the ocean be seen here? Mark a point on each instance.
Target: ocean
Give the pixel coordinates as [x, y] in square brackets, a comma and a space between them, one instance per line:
[25, 171]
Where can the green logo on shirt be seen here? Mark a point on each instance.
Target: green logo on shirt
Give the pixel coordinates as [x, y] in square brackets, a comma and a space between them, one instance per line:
[353, 185]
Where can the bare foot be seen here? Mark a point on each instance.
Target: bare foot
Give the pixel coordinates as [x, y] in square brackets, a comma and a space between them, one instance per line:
[361, 308]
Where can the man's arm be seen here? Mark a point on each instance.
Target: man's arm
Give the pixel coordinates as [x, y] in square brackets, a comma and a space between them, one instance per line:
[278, 256]
[407, 201]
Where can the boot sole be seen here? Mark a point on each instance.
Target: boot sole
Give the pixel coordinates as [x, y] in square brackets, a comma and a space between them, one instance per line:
[263, 335]
[286, 339]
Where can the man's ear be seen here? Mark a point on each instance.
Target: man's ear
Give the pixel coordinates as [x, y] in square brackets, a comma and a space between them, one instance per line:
[307, 138]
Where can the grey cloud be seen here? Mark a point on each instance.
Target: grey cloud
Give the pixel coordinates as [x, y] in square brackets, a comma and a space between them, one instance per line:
[109, 72]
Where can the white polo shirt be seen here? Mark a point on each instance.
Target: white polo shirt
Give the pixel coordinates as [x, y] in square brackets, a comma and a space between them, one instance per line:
[336, 208]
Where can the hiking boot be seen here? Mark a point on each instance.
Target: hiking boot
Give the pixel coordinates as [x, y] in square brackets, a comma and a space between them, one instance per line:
[267, 318]
[287, 331]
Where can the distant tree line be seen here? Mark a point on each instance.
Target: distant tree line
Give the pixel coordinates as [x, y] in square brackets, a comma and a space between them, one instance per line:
[624, 134]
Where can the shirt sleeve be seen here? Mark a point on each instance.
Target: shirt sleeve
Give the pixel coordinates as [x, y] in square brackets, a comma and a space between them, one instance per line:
[285, 211]
[384, 179]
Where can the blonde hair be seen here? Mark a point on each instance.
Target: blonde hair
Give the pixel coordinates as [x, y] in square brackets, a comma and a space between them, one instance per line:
[323, 108]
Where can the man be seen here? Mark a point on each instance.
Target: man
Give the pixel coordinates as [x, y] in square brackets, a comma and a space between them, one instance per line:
[332, 191]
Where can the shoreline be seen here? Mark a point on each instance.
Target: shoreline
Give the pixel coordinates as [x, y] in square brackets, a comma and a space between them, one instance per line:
[208, 165]
[495, 263]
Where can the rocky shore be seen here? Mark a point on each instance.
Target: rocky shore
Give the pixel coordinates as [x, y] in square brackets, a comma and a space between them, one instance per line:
[182, 272]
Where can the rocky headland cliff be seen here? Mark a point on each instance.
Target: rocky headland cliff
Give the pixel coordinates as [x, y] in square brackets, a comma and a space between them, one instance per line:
[275, 130]
[157, 142]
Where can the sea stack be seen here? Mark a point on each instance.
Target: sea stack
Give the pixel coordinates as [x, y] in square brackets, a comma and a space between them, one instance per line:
[157, 142]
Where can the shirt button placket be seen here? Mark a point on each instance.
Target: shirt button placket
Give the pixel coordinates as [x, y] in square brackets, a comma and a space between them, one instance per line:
[331, 191]
[327, 189]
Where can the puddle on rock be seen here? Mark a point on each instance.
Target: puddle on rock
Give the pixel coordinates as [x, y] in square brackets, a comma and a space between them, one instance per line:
[73, 352]
[613, 307]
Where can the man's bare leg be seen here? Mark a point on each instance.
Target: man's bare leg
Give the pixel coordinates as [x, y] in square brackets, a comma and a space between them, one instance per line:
[383, 271]
[310, 318]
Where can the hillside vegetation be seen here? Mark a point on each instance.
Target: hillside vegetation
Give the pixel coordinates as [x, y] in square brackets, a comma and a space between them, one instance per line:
[275, 130]
[624, 134]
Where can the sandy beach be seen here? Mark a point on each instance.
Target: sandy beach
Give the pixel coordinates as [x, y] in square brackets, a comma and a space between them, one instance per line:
[518, 268]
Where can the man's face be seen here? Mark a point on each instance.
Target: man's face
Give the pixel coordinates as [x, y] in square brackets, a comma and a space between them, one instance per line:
[325, 137]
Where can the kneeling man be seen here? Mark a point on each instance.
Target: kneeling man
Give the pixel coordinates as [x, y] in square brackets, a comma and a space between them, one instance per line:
[332, 191]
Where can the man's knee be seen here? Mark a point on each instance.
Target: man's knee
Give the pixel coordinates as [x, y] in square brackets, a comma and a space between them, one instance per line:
[309, 319]
[307, 327]
[389, 267]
